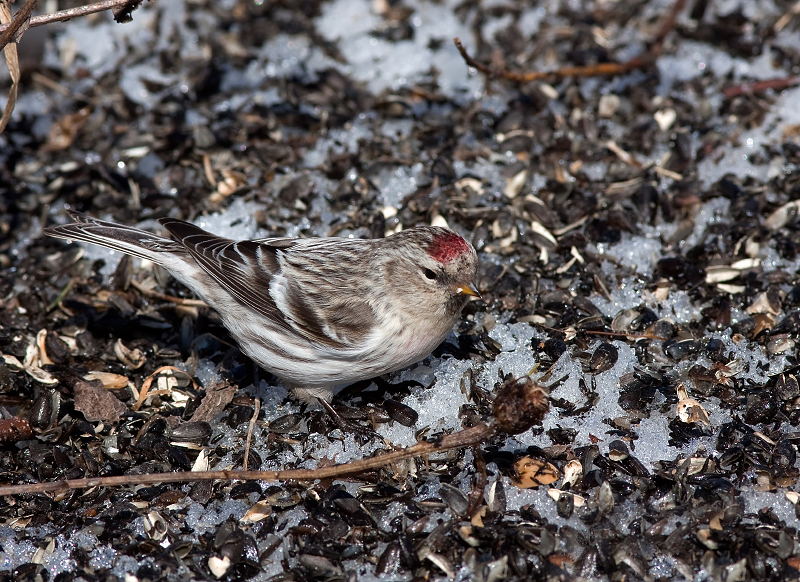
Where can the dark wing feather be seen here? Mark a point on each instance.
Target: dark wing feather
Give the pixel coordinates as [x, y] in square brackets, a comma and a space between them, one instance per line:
[118, 237]
[244, 269]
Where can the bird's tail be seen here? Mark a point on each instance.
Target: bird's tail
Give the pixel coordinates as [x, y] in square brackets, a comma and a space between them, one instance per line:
[118, 237]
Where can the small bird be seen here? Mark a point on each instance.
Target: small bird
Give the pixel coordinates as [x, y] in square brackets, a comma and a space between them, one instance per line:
[319, 312]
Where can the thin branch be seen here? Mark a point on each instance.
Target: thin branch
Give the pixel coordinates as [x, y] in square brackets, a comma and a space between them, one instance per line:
[468, 437]
[12, 59]
[667, 25]
[476, 495]
[21, 19]
[608, 333]
[600, 69]
[759, 86]
[649, 336]
[597, 70]
[156, 295]
[250, 433]
[69, 14]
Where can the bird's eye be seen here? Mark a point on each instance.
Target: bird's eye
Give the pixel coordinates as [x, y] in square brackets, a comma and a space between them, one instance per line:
[430, 274]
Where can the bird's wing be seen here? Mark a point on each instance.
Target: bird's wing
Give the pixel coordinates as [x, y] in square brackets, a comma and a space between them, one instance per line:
[327, 289]
[253, 272]
[244, 268]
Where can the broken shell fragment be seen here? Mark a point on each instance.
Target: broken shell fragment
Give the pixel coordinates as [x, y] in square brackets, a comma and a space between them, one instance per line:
[782, 215]
[133, 359]
[573, 471]
[690, 410]
[109, 380]
[261, 510]
[155, 526]
[531, 473]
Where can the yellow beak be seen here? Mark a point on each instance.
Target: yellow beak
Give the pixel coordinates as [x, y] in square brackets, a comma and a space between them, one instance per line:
[470, 290]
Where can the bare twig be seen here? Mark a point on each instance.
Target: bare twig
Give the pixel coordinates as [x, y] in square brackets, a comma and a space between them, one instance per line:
[50, 84]
[14, 28]
[250, 433]
[667, 25]
[156, 295]
[600, 69]
[209, 172]
[608, 333]
[622, 154]
[11, 31]
[69, 14]
[786, 18]
[465, 438]
[649, 336]
[759, 86]
[597, 70]
[661, 170]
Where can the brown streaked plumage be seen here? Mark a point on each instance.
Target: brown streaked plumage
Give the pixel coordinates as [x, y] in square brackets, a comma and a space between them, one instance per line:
[315, 312]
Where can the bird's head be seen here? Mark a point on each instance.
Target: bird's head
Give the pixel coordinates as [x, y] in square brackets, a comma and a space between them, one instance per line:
[433, 270]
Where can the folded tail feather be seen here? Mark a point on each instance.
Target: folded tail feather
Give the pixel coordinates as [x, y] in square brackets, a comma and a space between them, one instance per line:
[118, 237]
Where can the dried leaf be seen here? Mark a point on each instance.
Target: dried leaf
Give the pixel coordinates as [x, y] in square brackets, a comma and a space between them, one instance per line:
[217, 397]
[97, 403]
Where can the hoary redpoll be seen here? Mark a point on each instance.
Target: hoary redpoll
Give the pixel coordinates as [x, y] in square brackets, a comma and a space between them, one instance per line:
[317, 313]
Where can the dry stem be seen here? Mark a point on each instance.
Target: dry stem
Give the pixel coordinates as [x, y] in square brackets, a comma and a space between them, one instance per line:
[468, 437]
[60, 16]
[250, 433]
[597, 70]
[18, 25]
[156, 295]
